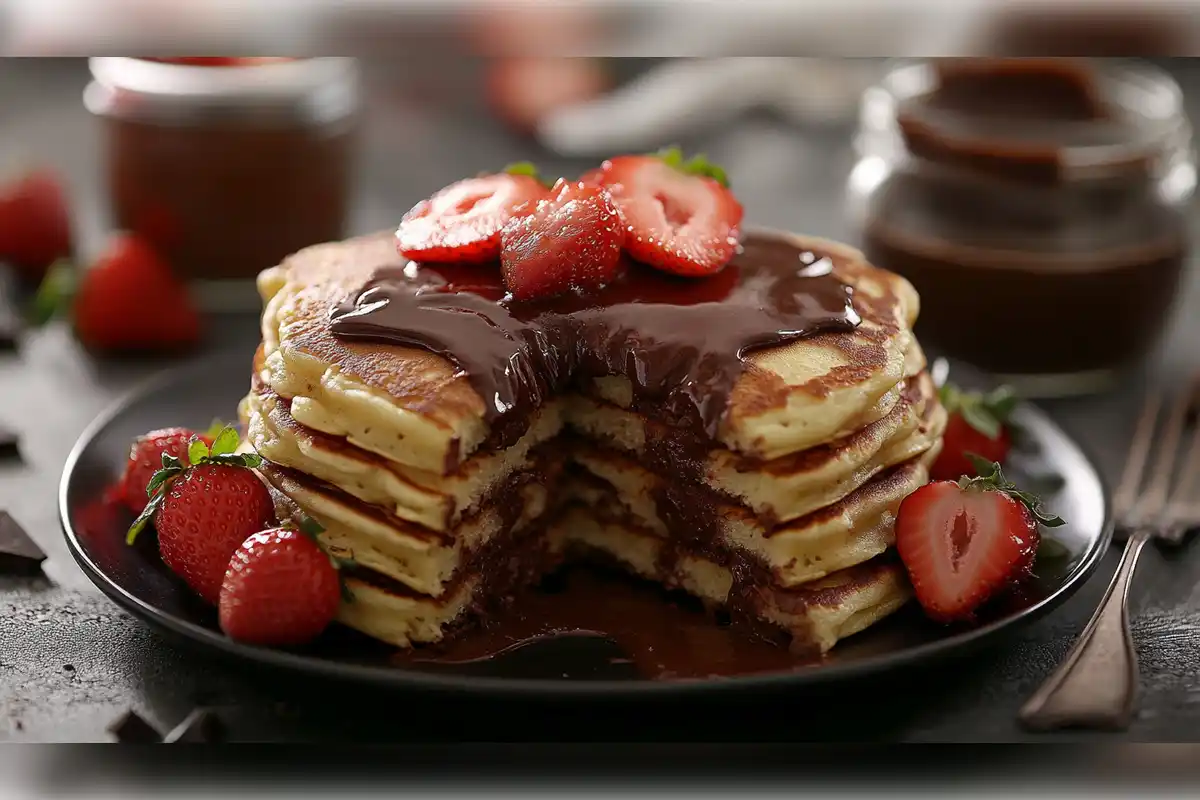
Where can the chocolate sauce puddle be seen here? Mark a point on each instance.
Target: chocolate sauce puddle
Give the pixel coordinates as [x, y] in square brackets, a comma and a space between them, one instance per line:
[681, 342]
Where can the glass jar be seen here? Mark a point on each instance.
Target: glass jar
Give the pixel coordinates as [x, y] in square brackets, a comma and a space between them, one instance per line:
[226, 169]
[1037, 205]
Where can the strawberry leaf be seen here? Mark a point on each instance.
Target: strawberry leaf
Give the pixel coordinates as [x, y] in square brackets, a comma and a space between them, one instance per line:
[310, 527]
[55, 293]
[144, 517]
[527, 168]
[197, 450]
[991, 478]
[226, 441]
[700, 165]
[986, 413]
[697, 165]
[247, 460]
[215, 428]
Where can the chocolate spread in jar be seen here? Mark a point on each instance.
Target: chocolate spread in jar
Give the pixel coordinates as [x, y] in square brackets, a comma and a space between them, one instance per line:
[226, 166]
[681, 342]
[1034, 214]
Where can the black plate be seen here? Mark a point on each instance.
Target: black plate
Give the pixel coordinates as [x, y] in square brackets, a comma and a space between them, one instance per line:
[137, 580]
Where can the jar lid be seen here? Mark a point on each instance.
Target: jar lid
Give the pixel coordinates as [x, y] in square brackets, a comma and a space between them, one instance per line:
[1139, 117]
[293, 91]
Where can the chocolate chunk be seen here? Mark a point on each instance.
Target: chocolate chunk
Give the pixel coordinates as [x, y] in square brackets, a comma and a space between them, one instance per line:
[200, 727]
[19, 555]
[9, 443]
[131, 728]
[10, 315]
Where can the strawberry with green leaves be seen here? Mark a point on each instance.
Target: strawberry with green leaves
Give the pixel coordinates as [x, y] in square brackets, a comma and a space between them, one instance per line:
[978, 423]
[965, 542]
[281, 588]
[146, 458]
[204, 510]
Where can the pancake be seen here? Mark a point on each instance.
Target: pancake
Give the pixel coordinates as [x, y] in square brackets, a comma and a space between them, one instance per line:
[856, 528]
[815, 615]
[789, 398]
[791, 486]
[425, 561]
[431, 499]
[764, 479]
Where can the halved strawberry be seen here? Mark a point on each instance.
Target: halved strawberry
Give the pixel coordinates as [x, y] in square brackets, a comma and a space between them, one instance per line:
[978, 424]
[571, 242]
[963, 543]
[680, 216]
[462, 222]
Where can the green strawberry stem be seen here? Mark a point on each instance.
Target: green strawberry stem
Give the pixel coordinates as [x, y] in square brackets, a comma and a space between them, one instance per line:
[698, 165]
[222, 452]
[527, 168]
[991, 479]
[55, 293]
[987, 413]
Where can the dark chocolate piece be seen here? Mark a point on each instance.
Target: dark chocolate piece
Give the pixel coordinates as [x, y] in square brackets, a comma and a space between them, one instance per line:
[201, 726]
[11, 324]
[19, 555]
[132, 728]
[10, 443]
[681, 342]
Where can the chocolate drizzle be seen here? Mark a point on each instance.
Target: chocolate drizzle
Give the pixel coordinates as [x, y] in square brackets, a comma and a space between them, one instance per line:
[681, 342]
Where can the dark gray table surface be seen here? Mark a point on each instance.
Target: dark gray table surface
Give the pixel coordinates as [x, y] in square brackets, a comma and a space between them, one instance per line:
[71, 661]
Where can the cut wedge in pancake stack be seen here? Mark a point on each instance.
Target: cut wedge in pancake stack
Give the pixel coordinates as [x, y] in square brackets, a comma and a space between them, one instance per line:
[748, 447]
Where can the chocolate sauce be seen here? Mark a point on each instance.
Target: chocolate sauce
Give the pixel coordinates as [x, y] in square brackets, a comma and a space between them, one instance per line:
[588, 622]
[681, 342]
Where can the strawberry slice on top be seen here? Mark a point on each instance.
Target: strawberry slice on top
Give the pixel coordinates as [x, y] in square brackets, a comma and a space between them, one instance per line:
[964, 542]
[570, 243]
[978, 423]
[680, 216]
[462, 222]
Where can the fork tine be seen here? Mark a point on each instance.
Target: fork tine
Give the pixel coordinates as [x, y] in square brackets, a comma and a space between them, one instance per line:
[1155, 497]
[1184, 501]
[1135, 464]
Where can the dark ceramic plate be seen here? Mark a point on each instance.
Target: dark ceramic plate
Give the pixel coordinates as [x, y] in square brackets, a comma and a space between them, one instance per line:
[137, 581]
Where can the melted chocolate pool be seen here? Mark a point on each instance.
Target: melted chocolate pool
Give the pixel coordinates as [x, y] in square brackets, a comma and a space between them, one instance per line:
[681, 342]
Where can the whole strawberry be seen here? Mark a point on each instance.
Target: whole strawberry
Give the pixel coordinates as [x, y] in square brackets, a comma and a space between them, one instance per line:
[35, 225]
[978, 423]
[204, 511]
[281, 589]
[145, 459]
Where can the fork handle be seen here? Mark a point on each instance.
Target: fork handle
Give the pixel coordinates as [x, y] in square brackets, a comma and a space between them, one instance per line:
[1096, 685]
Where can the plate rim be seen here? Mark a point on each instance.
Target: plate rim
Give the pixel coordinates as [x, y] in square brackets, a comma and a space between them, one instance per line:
[540, 688]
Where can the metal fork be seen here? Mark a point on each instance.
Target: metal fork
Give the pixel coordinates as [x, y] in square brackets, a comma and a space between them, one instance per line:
[1096, 686]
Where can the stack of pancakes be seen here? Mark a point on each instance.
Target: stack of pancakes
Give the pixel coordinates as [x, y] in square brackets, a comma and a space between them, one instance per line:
[785, 518]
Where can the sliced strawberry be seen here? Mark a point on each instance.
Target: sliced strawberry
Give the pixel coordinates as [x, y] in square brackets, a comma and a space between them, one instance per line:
[978, 424]
[680, 216]
[570, 243]
[462, 223]
[35, 226]
[963, 543]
